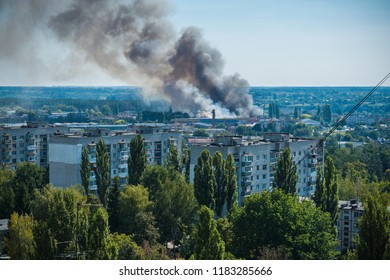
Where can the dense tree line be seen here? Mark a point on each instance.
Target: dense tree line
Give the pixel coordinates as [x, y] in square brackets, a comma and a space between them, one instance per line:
[137, 220]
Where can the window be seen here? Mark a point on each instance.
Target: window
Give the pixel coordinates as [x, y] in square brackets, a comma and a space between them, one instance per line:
[264, 176]
[346, 223]
[264, 167]
[13, 138]
[258, 157]
[299, 153]
[258, 167]
[257, 177]
[346, 233]
[264, 156]
[21, 137]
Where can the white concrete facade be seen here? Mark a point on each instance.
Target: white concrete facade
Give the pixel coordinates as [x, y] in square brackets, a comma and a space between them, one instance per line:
[65, 153]
[256, 160]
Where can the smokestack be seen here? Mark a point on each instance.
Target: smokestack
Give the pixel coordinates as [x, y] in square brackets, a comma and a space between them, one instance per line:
[213, 114]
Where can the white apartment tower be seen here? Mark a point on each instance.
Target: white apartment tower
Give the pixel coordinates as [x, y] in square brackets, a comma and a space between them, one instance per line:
[256, 159]
[65, 152]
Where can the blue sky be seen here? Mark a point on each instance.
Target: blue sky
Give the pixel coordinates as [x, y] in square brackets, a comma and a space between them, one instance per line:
[306, 42]
[268, 42]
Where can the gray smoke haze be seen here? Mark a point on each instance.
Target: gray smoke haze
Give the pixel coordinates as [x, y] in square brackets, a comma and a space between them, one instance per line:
[134, 38]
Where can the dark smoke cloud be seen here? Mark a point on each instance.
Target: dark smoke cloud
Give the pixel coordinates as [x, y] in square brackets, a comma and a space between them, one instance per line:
[135, 38]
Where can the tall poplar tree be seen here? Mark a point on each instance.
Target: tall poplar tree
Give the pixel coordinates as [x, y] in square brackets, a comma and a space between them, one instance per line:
[231, 182]
[102, 170]
[186, 160]
[319, 193]
[85, 169]
[113, 205]
[204, 180]
[331, 190]
[173, 159]
[137, 160]
[286, 177]
[220, 183]
[208, 242]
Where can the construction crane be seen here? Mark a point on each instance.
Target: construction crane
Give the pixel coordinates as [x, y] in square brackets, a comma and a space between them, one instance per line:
[340, 122]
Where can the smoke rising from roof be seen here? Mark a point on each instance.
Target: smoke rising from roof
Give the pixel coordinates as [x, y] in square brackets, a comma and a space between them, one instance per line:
[135, 38]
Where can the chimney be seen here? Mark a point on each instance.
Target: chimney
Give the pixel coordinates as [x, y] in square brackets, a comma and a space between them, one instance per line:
[213, 113]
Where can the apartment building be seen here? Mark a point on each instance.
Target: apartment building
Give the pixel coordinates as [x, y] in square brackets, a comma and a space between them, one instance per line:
[256, 160]
[347, 225]
[26, 142]
[65, 152]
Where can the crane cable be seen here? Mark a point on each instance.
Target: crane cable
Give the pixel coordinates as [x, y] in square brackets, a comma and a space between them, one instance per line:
[338, 124]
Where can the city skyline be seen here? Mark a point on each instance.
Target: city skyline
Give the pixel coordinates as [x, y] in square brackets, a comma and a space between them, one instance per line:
[288, 43]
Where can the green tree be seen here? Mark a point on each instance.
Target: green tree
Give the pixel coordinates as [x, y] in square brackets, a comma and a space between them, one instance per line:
[125, 247]
[55, 220]
[231, 182]
[173, 159]
[200, 133]
[7, 195]
[137, 160]
[85, 169]
[204, 180]
[113, 204]
[98, 239]
[279, 221]
[28, 177]
[20, 242]
[296, 113]
[186, 160]
[220, 183]
[135, 214]
[331, 190]
[174, 207]
[286, 173]
[374, 229]
[102, 170]
[208, 242]
[319, 192]
[154, 178]
[327, 113]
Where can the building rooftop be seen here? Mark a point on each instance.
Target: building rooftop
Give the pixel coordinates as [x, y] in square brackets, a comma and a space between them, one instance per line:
[4, 224]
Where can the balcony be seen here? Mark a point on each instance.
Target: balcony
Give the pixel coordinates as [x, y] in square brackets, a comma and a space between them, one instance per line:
[246, 173]
[124, 157]
[246, 163]
[92, 159]
[246, 183]
[123, 166]
[92, 178]
[31, 147]
[122, 175]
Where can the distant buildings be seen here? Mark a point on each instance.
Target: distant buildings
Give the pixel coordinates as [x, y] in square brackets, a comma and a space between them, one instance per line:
[256, 160]
[28, 142]
[65, 152]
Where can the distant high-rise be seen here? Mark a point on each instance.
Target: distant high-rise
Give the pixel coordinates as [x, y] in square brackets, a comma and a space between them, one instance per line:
[28, 142]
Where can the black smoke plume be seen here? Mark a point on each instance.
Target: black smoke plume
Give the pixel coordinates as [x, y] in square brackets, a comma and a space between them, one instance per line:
[135, 38]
